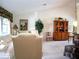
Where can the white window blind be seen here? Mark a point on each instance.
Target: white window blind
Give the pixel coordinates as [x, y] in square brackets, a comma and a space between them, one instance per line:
[0, 26]
[4, 26]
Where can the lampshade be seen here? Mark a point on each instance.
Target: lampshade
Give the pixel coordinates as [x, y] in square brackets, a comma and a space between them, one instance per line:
[15, 27]
[75, 23]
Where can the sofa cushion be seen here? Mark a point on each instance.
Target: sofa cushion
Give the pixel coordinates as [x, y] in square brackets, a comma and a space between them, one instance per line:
[6, 39]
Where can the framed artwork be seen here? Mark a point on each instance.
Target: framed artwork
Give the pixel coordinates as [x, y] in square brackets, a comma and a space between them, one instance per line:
[23, 24]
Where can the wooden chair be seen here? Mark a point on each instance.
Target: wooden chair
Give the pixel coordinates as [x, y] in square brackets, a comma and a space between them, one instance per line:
[49, 36]
[72, 51]
[69, 51]
[71, 36]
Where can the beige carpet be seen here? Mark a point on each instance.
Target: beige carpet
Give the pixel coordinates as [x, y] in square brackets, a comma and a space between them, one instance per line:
[51, 50]
[54, 49]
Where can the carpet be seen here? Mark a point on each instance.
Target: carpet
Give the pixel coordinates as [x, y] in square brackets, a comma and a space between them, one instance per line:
[54, 49]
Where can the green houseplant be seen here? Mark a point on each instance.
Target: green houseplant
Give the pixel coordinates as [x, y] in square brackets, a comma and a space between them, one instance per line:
[39, 26]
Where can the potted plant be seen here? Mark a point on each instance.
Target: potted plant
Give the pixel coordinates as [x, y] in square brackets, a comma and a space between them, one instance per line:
[39, 26]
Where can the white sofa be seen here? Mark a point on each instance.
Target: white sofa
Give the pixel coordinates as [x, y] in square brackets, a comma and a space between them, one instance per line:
[6, 52]
[27, 47]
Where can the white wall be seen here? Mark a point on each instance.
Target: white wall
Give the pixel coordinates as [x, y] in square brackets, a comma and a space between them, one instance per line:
[47, 16]
[67, 11]
[0, 2]
[78, 18]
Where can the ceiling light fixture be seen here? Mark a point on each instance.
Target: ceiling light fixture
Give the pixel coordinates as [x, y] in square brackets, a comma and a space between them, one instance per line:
[44, 4]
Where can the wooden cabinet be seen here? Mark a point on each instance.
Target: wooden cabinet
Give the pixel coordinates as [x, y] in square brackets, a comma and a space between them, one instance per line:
[60, 30]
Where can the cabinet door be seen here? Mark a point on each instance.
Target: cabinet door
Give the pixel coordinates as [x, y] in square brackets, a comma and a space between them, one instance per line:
[55, 35]
[59, 36]
[67, 35]
[64, 35]
[55, 26]
[66, 26]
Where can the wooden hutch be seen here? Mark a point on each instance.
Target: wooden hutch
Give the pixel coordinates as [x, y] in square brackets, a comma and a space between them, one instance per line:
[60, 29]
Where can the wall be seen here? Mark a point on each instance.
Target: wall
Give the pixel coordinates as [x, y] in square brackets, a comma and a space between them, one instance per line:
[66, 11]
[47, 16]
[77, 18]
[0, 2]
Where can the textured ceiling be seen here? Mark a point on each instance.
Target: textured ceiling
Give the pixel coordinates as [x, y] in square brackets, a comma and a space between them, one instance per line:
[77, 1]
[25, 6]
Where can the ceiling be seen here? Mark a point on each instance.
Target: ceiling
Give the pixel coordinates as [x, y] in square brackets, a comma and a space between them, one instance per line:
[25, 6]
[77, 1]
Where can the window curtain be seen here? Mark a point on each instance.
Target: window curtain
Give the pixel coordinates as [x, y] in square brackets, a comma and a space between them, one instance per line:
[6, 14]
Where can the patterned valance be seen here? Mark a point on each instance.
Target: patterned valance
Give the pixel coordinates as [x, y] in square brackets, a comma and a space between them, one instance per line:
[6, 14]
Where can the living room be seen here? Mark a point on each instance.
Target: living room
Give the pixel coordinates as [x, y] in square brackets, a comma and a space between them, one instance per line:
[54, 22]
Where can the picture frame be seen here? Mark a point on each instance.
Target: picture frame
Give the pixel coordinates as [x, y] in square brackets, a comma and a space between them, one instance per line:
[23, 24]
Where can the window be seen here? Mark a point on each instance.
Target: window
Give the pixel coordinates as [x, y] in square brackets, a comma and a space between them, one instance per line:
[0, 26]
[4, 26]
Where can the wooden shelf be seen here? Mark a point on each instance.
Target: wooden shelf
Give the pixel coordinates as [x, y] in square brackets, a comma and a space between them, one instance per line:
[60, 30]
